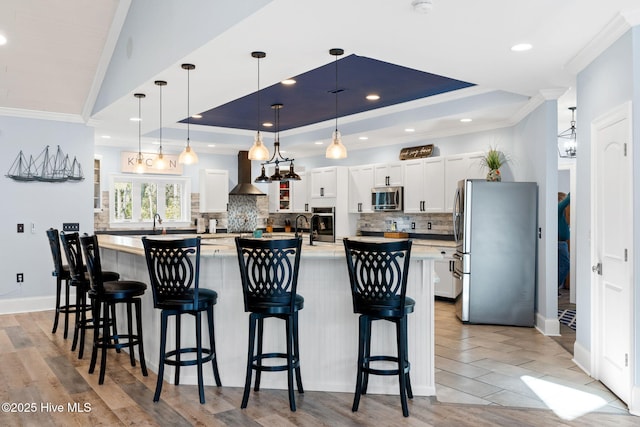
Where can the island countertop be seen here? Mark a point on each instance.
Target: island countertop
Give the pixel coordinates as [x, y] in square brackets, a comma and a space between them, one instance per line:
[328, 327]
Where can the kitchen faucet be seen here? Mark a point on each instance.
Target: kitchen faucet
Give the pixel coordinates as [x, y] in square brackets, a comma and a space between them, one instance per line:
[296, 224]
[156, 216]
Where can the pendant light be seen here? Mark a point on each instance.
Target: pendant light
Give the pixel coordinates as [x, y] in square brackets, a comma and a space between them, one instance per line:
[188, 156]
[139, 167]
[336, 150]
[567, 140]
[277, 157]
[160, 162]
[258, 150]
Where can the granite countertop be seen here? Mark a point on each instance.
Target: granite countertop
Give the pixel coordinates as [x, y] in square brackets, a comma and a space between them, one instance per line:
[223, 245]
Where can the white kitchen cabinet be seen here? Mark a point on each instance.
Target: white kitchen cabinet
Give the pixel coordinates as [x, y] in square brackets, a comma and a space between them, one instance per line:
[458, 167]
[324, 182]
[424, 185]
[446, 287]
[214, 190]
[360, 183]
[388, 174]
[300, 193]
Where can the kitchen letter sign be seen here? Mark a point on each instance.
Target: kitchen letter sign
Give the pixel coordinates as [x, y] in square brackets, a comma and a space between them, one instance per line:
[416, 152]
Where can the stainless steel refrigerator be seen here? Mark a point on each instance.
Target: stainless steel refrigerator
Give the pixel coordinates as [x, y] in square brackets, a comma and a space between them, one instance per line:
[495, 227]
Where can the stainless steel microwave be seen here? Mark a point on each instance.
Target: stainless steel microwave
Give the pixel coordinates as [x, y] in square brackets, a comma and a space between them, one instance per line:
[387, 199]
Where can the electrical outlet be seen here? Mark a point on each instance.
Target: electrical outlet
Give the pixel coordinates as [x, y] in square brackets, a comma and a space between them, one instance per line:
[19, 277]
[20, 228]
[413, 225]
[429, 225]
[71, 226]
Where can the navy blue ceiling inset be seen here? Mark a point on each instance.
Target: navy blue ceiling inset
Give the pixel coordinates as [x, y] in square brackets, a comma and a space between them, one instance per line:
[312, 100]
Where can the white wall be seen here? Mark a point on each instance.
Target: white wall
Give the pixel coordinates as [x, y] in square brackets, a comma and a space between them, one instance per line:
[43, 204]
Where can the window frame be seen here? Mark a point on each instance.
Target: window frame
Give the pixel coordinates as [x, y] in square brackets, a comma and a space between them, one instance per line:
[136, 207]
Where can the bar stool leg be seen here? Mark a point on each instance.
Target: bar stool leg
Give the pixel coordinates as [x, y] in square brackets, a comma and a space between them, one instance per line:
[78, 322]
[361, 355]
[252, 336]
[104, 342]
[290, 363]
[256, 385]
[57, 315]
[96, 306]
[176, 378]
[80, 311]
[130, 332]
[296, 349]
[367, 354]
[163, 351]
[199, 354]
[212, 345]
[143, 363]
[401, 329]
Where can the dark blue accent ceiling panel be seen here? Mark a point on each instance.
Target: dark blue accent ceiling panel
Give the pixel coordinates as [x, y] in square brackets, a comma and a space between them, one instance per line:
[312, 100]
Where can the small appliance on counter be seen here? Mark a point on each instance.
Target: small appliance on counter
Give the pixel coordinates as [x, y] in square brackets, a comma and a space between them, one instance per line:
[201, 225]
[212, 226]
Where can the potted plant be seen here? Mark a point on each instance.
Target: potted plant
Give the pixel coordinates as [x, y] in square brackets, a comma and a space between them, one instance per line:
[493, 160]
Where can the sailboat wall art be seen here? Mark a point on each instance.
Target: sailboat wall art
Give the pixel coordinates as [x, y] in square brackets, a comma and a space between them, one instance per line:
[46, 167]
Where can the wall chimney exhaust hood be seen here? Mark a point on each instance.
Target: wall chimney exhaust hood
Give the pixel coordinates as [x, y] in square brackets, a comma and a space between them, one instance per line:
[245, 187]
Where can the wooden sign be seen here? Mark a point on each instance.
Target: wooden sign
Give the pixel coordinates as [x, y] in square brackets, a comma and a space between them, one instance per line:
[416, 152]
[128, 161]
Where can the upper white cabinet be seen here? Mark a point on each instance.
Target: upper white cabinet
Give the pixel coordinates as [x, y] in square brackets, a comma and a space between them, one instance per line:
[300, 193]
[424, 185]
[458, 167]
[214, 190]
[324, 182]
[388, 174]
[360, 183]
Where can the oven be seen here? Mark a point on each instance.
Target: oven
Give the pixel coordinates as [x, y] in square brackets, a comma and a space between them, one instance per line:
[323, 228]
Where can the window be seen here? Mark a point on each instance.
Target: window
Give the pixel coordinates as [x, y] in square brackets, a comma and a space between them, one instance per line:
[135, 200]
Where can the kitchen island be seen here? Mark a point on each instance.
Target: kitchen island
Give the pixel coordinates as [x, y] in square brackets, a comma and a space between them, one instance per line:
[328, 327]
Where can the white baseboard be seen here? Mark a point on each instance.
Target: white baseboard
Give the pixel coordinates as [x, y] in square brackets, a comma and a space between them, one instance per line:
[582, 358]
[634, 404]
[549, 327]
[25, 305]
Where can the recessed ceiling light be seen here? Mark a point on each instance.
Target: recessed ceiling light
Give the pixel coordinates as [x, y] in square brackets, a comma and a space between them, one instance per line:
[211, 145]
[318, 142]
[135, 119]
[288, 82]
[196, 116]
[105, 136]
[363, 138]
[3, 40]
[373, 97]
[267, 124]
[521, 47]
[409, 130]
[466, 120]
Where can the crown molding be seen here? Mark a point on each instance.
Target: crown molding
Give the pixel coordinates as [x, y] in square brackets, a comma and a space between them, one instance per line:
[41, 115]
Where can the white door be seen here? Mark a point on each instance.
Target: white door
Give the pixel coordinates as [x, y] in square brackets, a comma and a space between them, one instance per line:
[611, 279]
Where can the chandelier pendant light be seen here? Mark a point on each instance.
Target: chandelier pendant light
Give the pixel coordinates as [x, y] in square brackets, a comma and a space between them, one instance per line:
[277, 157]
[139, 167]
[567, 140]
[160, 162]
[188, 156]
[258, 150]
[336, 150]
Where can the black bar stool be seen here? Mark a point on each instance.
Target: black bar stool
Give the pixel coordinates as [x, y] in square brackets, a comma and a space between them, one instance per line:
[174, 271]
[378, 276]
[269, 273]
[105, 295]
[80, 279]
[62, 274]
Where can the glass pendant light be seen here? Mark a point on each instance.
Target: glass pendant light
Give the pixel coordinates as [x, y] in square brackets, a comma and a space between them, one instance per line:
[258, 150]
[188, 156]
[160, 162]
[139, 167]
[567, 140]
[336, 150]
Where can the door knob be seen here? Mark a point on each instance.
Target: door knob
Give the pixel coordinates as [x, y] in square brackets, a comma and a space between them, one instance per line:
[597, 268]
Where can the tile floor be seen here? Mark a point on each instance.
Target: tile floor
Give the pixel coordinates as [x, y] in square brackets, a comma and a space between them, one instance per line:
[492, 365]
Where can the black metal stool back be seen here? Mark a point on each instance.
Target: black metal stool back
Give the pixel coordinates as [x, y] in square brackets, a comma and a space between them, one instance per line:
[105, 294]
[378, 275]
[269, 273]
[174, 272]
[61, 273]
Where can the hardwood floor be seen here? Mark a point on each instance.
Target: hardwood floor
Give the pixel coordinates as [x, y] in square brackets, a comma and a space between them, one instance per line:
[39, 372]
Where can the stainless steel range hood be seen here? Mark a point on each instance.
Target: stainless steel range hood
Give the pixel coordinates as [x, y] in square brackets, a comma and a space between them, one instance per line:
[245, 187]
